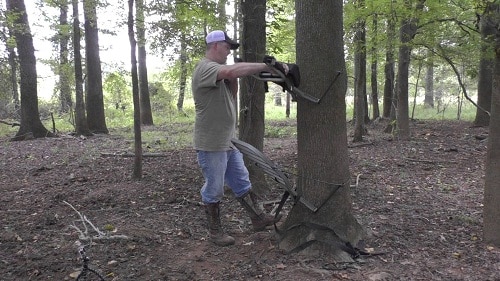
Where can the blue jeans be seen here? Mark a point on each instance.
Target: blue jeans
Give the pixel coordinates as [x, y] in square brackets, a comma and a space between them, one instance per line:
[219, 168]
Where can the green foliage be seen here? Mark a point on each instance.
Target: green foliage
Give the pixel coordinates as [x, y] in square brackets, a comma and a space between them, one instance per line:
[117, 89]
[281, 29]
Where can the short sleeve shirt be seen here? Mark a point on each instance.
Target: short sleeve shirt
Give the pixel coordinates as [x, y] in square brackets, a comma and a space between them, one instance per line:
[215, 121]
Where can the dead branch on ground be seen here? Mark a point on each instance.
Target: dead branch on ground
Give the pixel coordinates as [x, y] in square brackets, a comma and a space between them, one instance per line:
[84, 234]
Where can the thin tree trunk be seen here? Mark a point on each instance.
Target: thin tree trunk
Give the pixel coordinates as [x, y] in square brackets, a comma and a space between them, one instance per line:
[429, 82]
[81, 126]
[64, 68]
[360, 77]
[389, 65]
[13, 75]
[135, 94]
[146, 113]
[183, 76]
[374, 72]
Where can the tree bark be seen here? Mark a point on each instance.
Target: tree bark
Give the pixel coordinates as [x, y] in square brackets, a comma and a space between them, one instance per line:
[64, 68]
[407, 31]
[486, 65]
[146, 113]
[252, 92]
[95, 100]
[31, 125]
[429, 82]
[374, 72]
[389, 65]
[81, 126]
[323, 162]
[359, 77]
[183, 77]
[491, 210]
[135, 94]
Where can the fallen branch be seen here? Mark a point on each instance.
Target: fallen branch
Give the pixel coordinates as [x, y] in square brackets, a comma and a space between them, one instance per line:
[84, 234]
[104, 154]
[13, 124]
[428, 161]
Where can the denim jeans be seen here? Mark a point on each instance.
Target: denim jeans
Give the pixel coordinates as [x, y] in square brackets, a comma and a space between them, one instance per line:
[220, 168]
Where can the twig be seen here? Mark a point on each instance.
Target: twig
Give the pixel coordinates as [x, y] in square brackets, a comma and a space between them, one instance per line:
[357, 181]
[105, 154]
[427, 161]
[84, 234]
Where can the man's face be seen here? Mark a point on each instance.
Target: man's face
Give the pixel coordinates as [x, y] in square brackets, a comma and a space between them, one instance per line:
[223, 50]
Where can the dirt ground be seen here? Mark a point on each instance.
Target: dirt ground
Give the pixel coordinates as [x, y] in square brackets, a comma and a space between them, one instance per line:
[420, 201]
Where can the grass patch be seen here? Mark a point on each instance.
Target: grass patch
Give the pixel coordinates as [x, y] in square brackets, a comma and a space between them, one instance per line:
[174, 129]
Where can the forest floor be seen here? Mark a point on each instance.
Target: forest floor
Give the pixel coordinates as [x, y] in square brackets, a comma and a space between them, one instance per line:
[420, 202]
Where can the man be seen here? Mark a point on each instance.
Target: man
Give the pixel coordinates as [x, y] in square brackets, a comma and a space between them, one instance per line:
[215, 86]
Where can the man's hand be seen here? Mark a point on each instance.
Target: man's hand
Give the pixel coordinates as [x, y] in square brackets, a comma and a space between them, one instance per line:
[281, 66]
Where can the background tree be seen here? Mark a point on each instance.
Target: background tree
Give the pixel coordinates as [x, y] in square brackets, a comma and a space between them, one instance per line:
[146, 113]
[13, 73]
[359, 74]
[81, 126]
[374, 68]
[389, 73]
[429, 81]
[486, 64]
[407, 31]
[323, 162]
[31, 125]
[252, 92]
[64, 69]
[492, 176]
[94, 95]
[135, 93]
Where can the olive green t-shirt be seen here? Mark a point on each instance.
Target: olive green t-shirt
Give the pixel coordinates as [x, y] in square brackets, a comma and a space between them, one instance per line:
[215, 109]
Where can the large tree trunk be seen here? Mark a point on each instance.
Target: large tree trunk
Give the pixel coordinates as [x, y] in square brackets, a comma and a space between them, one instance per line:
[486, 65]
[323, 161]
[81, 126]
[492, 176]
[146, 113]
[252, 92]
[64, 68]
[31, 125]
[95, 100]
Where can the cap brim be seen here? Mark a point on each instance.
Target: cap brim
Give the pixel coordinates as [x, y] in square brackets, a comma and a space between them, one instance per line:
[233, 44]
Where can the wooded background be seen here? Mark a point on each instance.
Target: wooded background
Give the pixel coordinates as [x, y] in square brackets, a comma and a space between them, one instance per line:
[436, 54]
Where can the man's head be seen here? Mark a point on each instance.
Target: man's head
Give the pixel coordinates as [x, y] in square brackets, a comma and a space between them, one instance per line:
[221, 36]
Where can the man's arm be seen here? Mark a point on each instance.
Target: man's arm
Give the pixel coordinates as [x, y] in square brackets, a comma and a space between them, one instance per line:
[241, 69]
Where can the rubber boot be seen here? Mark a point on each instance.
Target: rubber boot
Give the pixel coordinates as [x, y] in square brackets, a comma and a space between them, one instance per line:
[216, 233]
[259, 218]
